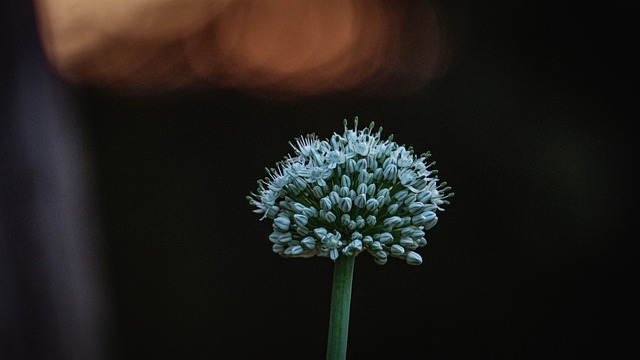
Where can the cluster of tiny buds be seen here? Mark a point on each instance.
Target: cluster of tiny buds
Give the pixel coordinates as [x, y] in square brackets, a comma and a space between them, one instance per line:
[351, 193]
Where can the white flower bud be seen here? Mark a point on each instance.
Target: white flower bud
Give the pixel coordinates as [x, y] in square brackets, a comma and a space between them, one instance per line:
[386, 238]
[371, 204]
[396, 250]
[300, 220]
[345, 204]
[325, 204]
[281, 223]
[413, 258]
[345, 182]
[278, 248]
[393, 221]
[390, 172]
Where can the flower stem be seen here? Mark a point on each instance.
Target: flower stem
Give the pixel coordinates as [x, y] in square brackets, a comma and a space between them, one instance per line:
[340, 304]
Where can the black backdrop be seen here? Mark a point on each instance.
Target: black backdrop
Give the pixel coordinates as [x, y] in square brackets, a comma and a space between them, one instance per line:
[532, 129]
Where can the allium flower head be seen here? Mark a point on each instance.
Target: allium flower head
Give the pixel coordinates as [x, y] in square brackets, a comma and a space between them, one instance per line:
[351, 193]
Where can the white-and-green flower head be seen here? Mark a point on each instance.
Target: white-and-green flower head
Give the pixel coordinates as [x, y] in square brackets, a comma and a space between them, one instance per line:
[351, 193]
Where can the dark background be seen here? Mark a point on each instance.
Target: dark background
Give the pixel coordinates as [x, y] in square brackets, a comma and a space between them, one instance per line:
[533, 259]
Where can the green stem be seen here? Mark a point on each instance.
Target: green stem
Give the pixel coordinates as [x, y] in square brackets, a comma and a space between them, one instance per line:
[340, 304]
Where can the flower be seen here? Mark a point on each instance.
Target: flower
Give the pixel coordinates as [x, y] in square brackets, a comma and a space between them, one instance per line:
[351, 193]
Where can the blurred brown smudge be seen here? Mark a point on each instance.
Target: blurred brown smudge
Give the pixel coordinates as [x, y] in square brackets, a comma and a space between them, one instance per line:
[277, 49]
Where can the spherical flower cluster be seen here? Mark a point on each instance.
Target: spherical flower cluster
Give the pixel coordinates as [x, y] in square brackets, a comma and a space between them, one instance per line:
[351, 193]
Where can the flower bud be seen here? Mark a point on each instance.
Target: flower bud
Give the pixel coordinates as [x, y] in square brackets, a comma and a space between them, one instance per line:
[424, 196]
[302, 230]
[429, 215]
[309, 242]
[400, 195]
[330, 217]
[348, 251]
[396, 250]
[320, 233]
[300, 220]
[384, 192]
[363, 177]
[393, 221]
[345, 204]
[386, 238]
[420, 184]
[298, 208]
[408, 243]
[381, 254]
[413, 258]
[372, 162]
[299, 183]
[371, 220]
[325, 203]
[281, 223]
[280, 238]
[407, 231]
[356, 245]
[352, 225]
[431, 223]
[371, 204]
[345, 181]
[352, 194]
[390, 172]
[273, 212]
[429, 208]
[292, 189]
[415, 208]
[334, 197]
[275, 237]
[380, 261]
[377, 174]
[409, 199]
[317, 192]
[278, 248]
[418, 220]
[351, 166]
[311, 212]
[296, 250]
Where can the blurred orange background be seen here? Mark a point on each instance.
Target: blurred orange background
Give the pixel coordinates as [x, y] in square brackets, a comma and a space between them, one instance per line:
[281, 48]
